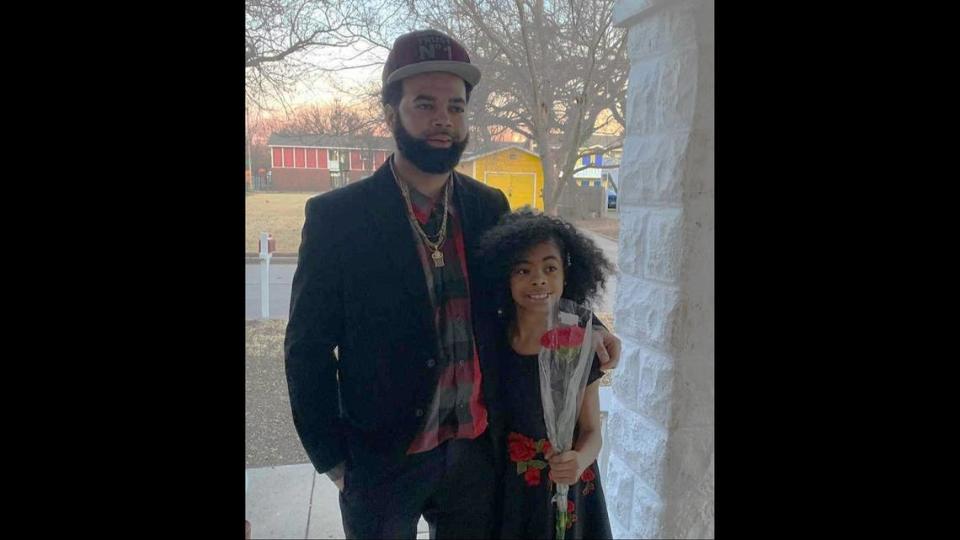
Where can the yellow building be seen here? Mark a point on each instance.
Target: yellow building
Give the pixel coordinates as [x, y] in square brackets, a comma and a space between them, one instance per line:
[516, 172]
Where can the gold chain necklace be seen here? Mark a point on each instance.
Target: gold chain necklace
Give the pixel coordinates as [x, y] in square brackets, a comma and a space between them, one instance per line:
[434, 246]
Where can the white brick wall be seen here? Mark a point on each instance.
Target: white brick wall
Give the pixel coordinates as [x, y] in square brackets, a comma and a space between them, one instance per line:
[660, 474]
[659, 159]
[645, 309]
[643, 385]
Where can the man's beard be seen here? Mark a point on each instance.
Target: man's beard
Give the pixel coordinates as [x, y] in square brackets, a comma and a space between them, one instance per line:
[425, 157]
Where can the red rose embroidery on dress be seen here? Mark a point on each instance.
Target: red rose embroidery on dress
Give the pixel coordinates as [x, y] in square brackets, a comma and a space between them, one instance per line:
[532, 476]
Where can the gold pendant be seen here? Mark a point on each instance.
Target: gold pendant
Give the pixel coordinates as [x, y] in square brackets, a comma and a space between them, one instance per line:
[437, 258]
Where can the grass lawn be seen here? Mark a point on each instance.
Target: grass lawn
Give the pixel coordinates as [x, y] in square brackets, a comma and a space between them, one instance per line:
[280, 214]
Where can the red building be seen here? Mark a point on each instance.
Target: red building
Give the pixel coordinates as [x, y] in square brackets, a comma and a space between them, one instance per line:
[324, 162]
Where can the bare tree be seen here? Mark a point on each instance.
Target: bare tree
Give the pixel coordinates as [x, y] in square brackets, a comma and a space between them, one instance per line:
[334, 119]
[550, 71]
[282, 37]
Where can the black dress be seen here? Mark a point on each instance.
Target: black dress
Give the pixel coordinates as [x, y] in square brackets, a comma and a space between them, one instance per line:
[527, 510]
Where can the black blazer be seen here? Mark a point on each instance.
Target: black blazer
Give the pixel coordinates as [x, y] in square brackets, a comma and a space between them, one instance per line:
[359, 287]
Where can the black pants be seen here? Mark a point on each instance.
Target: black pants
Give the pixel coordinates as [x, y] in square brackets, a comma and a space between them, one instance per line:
[452, 486]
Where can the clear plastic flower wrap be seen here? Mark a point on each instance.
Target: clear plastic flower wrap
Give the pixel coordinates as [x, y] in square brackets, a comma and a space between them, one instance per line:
[566, 354]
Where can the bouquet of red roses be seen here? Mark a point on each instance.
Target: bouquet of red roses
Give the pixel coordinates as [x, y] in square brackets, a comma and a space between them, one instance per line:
[566, 354]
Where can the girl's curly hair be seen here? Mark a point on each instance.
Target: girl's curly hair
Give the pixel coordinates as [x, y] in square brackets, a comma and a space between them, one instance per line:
[502, 247]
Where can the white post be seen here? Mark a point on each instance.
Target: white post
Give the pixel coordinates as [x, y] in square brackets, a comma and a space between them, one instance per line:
[264, 276]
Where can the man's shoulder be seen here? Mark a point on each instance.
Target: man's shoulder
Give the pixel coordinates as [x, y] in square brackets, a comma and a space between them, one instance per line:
[340, 199]
[341, 214]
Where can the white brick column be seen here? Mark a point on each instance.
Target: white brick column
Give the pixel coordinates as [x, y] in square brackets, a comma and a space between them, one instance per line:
[660, 476]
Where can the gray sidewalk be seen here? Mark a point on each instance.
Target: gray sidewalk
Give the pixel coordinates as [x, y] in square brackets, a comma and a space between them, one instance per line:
[293, 501]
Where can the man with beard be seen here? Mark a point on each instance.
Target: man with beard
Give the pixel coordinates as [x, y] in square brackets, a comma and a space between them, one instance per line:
[392, 385]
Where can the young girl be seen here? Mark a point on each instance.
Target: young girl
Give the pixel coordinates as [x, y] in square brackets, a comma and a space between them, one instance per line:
[532, 261]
